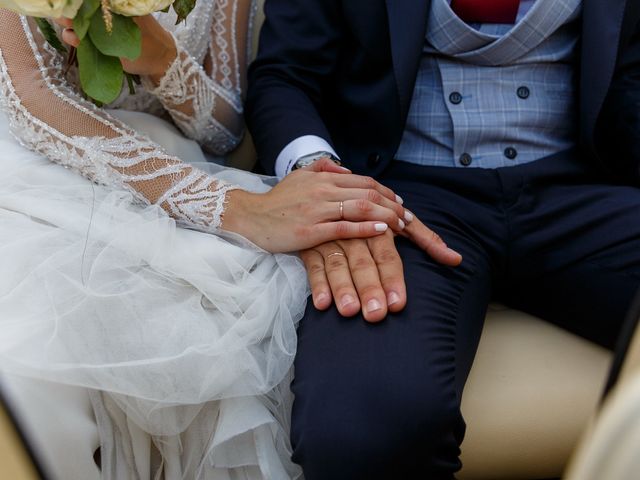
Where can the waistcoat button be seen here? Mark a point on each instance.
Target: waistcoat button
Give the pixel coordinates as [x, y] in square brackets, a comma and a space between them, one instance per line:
[511, 153]
[455, 98]
[465, 159]
[523, 92]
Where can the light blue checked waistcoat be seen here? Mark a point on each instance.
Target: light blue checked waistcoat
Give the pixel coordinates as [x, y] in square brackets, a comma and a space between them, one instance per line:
[499, 96]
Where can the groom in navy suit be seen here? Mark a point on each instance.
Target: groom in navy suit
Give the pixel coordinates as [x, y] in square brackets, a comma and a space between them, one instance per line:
[512, 129]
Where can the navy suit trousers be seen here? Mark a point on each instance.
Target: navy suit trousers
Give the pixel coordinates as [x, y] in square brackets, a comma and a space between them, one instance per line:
[552, 238]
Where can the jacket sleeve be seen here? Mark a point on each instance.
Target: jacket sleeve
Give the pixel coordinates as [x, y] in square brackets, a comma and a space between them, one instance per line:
[618, 130]
[297, 57]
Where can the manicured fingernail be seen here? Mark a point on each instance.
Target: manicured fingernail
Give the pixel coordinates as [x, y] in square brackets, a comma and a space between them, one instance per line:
[392, 298]
[373, 305]
[381, 227]
[399, 199]
[344, 169]
[408, 216]
[346, 300]
[401, 224]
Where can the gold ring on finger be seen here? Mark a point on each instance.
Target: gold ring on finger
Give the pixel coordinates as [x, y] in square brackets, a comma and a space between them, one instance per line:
[341, 210]
[340, 254]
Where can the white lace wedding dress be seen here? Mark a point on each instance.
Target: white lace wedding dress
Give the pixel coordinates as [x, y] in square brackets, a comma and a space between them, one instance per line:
[184, 337]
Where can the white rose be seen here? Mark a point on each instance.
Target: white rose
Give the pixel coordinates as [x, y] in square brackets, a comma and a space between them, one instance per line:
[137, 8]
[43, 8]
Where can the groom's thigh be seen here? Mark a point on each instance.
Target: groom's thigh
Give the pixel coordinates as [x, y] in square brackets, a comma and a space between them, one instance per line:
[382, 400]
[581, 270]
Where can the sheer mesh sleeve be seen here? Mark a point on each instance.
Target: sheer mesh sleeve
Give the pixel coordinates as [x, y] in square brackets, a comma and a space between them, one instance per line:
[48, 116]
[206, 102]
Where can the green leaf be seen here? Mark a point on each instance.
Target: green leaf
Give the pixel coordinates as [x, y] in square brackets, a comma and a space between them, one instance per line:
[100, 75]
[50, 34]
[82, 19]
[183, 9]
[124, 40]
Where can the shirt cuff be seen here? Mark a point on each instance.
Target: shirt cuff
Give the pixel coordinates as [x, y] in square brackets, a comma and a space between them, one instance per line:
[300, 147]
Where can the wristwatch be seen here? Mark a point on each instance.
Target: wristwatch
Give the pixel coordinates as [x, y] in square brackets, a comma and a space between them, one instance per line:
[308, 159]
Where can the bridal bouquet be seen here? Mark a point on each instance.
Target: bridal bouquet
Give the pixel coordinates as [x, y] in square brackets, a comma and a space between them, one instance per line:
[106, 32]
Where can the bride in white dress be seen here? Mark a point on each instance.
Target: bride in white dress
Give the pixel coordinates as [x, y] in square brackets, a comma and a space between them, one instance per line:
[183, 337]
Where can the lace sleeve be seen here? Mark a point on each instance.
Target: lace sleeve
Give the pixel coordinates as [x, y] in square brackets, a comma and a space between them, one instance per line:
[48, 116]
[206, 101]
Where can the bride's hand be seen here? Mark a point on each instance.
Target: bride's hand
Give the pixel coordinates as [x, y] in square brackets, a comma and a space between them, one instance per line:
[304, 210]
[158, 47]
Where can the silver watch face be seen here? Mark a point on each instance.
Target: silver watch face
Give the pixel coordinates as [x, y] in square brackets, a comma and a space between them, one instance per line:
[307, 160]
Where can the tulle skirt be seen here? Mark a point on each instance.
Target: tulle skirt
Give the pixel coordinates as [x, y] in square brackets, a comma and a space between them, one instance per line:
[184, 339]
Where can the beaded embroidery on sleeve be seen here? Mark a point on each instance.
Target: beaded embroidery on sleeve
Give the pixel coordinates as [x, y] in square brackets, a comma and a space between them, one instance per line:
[190, 97]
[47, 115]
[198, 97]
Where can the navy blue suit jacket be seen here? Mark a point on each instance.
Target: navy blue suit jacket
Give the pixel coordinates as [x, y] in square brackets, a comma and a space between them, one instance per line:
[345, 70]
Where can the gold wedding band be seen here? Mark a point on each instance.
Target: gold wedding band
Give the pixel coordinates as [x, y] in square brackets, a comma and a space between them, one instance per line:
[335, 253]
[341, 210]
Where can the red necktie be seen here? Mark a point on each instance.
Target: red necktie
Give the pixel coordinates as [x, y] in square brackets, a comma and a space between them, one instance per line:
[486, 11]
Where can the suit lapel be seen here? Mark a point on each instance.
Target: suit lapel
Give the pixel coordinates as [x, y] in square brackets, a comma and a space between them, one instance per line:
[601, 27]
[407, 28]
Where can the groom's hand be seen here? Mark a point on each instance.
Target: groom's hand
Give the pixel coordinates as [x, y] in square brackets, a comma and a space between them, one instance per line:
[359, 275]
[367, 275]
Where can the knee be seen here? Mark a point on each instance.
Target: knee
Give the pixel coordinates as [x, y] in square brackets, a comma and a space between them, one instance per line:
[376, 434]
